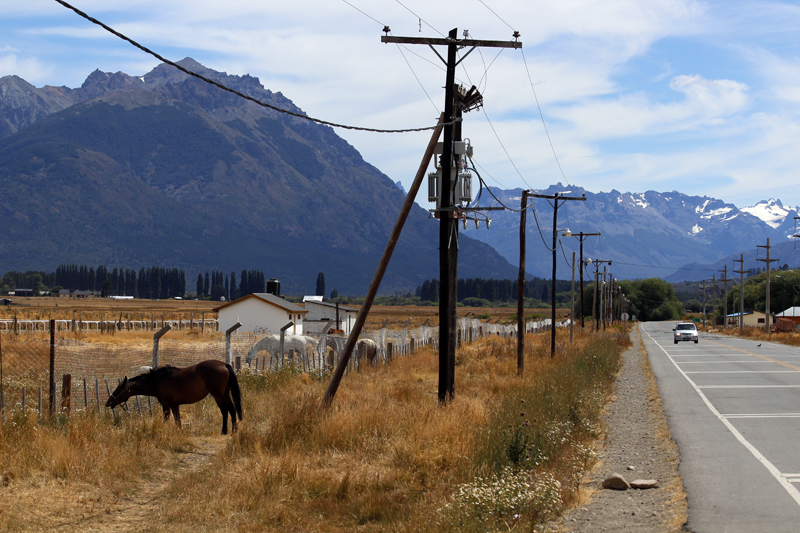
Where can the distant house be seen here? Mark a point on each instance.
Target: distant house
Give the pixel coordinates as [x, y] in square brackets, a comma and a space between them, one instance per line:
[66, 293]
[84, 294]
[260, 313]
[320, 313]
[751, 319]
[5, 301]
[23, 292]
[793, 314]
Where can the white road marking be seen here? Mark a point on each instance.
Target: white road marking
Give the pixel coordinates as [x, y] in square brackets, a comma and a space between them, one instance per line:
[749, 386]
[723, 362]
[765, 415]
[790, 489]
[745, 372]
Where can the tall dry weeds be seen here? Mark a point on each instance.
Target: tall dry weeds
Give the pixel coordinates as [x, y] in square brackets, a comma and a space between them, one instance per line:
[386, 456]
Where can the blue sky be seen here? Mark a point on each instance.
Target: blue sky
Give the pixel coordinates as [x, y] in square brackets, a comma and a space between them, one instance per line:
[701, 97]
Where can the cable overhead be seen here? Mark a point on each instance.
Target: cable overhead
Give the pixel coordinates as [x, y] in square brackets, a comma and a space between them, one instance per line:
[502, 145]
[363, 13]
[496, 15]
[420, 18]
[475, 163]
[237, 93]
[400, 49]
[541, 115]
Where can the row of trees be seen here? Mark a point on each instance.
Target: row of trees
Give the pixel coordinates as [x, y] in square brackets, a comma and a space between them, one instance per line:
[217, 284]
[497, 290]
[648, 299]
[152, 282]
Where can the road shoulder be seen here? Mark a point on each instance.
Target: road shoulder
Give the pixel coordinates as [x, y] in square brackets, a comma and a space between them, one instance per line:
[637, 445]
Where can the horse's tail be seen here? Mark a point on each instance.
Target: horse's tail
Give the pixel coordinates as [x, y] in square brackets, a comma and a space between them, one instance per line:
[236, 394]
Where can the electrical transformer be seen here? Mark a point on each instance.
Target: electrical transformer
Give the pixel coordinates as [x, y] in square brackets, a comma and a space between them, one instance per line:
[461, 181]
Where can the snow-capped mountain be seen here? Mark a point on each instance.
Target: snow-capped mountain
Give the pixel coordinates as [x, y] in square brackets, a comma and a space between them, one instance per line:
[772, 211]
[648, 234]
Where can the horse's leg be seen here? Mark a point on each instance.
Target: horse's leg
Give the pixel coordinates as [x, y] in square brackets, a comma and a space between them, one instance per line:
[166, 412]
[225, 407]
[177, 414]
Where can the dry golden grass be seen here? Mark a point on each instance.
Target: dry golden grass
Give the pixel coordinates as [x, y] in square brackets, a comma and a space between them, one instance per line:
[791, 338]
[386, 456]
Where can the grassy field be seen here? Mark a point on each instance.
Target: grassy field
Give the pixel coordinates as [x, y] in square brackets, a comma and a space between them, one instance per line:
[506, 454]
[106, 309]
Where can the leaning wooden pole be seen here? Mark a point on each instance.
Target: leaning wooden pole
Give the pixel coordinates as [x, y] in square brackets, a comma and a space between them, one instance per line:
[338, 373]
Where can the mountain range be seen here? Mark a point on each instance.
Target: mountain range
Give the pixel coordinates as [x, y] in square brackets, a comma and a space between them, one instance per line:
[167, 170]
[652, 234]
[164, 169]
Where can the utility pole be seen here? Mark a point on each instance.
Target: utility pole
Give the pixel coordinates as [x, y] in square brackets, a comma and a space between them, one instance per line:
[448, 228]
[714, 301]
[581, 236]
[603, 299]
[572, 303]
[704, 303]
[741, 272]
[767, 261]
[595, 325]
[725, 303]
[557, 197]
[595, 307]
[523, 220]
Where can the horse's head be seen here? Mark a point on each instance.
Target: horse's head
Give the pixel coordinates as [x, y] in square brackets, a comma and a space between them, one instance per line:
[120, 395]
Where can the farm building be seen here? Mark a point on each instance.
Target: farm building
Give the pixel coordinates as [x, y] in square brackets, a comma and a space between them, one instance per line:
[320, 313]
[751, 319]
[793, 314]
[22, 292]
[261, 312]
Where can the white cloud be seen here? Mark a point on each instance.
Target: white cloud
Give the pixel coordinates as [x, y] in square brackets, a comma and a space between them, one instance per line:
[726, 128]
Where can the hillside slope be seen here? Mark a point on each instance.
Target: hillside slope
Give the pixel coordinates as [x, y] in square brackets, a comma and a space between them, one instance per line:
[165, 169]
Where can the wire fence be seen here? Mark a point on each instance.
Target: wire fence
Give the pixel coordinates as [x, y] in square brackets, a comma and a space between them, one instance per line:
[96, 368]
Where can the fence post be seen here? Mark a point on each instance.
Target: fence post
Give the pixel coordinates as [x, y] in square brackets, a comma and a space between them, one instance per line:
[228, 333]
[160, 333]
[283, 333]
[238, 363]
[97, 394]
[85, 397]
[66, 393]
[52, 368]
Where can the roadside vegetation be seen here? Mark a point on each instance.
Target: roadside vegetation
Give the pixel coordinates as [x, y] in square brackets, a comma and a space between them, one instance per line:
[506, 454]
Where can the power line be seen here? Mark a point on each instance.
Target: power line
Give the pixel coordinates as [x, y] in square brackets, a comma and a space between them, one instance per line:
[416, 77]
[501, 145]
[664, 267]
[363, 13]
[420, 18]
[496, 15]
[532, 88]
[237, 93]
[525, 61]
[472, 159]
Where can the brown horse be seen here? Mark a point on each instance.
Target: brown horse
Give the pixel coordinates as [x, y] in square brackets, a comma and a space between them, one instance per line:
[173, 387]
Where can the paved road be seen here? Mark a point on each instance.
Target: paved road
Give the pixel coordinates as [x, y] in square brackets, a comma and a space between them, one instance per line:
[733, 408]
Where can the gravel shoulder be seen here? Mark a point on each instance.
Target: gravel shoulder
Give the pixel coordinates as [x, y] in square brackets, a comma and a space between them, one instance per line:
[637, 445]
